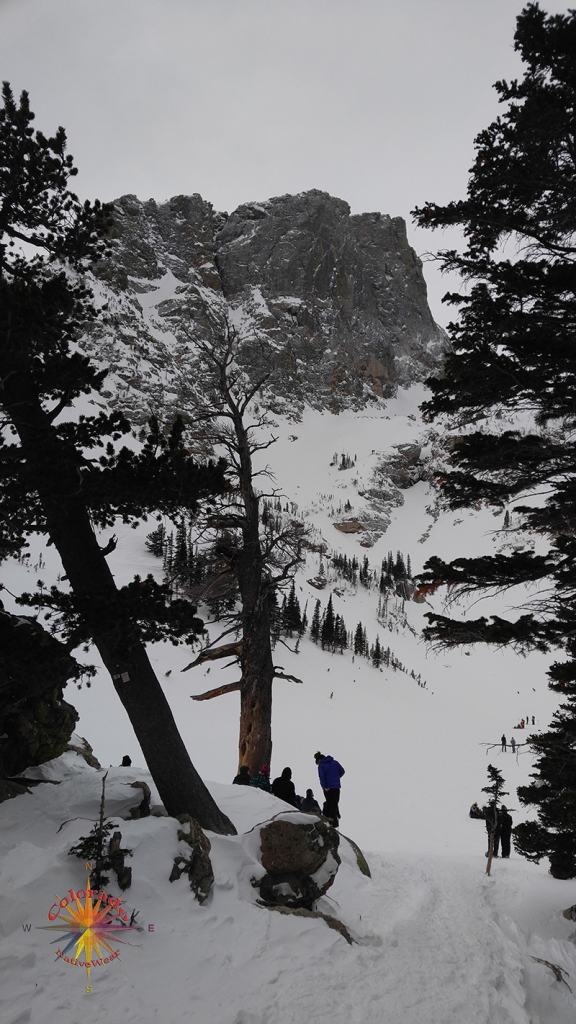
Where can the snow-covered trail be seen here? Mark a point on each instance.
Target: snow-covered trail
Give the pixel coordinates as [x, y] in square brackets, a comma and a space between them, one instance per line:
[437, 941]
[418, 958]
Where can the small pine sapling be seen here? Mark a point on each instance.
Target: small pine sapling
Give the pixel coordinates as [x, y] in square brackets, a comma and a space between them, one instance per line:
[496, 791]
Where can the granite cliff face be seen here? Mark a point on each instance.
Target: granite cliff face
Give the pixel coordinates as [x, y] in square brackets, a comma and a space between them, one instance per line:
[334, 304]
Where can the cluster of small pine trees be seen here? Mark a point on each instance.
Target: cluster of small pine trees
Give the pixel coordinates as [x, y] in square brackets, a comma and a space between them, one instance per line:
[287, 619]
[187, 566]
[392, 571]
[329, 629]
[375, 652]
[344, 462]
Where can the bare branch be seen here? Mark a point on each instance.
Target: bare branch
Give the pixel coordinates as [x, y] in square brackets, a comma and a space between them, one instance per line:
[286, 675]
[213, 654]
[228, 688]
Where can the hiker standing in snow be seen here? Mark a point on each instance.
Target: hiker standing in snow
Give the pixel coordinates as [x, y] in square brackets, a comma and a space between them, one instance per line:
[243, 777]
[513, 744]
[330, 772]
[503, 742]
[283, 787]
[504, 830]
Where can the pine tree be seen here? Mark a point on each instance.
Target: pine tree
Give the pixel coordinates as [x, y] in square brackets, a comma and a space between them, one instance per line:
[316, 624]
[67, 477]
[155, 540]
[291, 614]
[513, 350]
[340, 634]
[359, 639]
[553, 792]
[495, 791]
[328, 628]
[376, 653]
[399, 567]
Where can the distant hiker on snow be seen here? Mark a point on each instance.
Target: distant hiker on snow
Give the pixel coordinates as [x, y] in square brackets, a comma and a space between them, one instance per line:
[476, 811]
[243, 777]
[330, 772]
[309, 804]
[261, 779]
[513, 744]
[283, 787]
[503, 742]
[126, 761]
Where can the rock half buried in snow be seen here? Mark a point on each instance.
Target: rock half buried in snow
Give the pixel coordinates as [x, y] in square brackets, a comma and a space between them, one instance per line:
[300, 859]
[350, 526]
[198, 865]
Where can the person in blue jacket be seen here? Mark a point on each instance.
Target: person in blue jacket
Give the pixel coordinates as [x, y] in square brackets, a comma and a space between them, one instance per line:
[330, 772]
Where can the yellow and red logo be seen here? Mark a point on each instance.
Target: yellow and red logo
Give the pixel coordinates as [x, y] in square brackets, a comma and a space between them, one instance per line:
[92, 926]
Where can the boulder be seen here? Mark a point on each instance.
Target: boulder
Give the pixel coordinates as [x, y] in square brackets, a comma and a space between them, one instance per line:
[300, 858]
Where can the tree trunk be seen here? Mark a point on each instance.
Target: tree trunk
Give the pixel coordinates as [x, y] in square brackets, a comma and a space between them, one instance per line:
[255, 741]
[53, 467]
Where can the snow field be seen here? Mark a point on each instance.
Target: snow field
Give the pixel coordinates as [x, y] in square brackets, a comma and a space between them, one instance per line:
[438, 941]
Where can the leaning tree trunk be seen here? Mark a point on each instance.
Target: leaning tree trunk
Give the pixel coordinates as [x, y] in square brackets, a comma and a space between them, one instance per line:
[53, 468]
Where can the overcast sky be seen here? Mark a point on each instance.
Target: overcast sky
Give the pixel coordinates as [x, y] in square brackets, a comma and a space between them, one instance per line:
[374, 101]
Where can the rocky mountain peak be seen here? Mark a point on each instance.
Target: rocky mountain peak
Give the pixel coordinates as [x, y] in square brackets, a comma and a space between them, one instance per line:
[337, 302]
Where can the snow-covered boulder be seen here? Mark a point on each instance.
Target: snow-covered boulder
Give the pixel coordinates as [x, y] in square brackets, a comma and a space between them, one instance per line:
[299, 855]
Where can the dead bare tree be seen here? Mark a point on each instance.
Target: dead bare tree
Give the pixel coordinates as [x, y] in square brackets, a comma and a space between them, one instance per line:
[257, 557]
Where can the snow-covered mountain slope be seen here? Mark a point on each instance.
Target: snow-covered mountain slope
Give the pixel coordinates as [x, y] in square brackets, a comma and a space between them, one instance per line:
[438, 942]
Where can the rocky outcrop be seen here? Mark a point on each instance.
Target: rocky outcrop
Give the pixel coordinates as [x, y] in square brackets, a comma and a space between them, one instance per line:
[403, 466]
[36, 723]
[341, 298]
[300, 859]
[335, 304]
[197, 865]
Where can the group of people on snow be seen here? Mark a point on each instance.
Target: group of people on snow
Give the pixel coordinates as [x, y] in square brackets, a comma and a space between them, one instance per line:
[512, 742]
[330, 772]
[521, 725]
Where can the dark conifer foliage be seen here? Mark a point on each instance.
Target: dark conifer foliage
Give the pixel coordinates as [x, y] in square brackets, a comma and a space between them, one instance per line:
[66, 477]
[328, 629]
[376, 653]
[514, 350]
[553, 793]
[360, 640]
[315, 625]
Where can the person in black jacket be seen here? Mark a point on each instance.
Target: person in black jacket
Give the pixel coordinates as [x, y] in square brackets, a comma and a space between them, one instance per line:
[243, 777]
[283, 787]
[309, 804]
[503, 831]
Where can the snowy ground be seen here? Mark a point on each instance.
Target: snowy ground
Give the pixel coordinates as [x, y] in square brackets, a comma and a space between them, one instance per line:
[437, 941]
